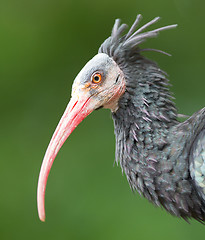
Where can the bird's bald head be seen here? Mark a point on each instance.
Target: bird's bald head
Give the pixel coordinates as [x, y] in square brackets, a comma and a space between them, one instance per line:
[100, 80]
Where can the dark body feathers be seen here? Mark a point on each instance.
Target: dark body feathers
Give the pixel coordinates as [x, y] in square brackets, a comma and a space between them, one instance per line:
[163, 159]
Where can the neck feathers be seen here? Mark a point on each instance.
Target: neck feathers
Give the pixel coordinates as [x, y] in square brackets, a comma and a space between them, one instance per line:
[147, 89]
[142, 123]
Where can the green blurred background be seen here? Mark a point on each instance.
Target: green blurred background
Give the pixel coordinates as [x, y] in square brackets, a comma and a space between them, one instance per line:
[44, 44]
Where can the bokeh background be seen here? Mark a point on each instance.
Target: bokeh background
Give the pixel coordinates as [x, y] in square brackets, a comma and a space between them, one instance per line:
[44, 44]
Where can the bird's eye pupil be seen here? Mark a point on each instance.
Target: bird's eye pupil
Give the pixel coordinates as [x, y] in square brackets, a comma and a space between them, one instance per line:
[96, 78]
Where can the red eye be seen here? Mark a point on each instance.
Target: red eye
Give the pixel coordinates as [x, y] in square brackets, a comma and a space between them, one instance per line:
[96, 78]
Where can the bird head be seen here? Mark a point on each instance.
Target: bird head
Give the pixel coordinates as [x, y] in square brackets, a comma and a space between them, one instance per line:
[100, 83]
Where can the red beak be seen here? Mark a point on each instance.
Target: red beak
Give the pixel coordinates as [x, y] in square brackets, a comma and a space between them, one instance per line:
[75, 112]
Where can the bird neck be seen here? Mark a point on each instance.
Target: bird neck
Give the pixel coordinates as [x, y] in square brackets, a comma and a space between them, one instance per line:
[143, 121]
[146, 106]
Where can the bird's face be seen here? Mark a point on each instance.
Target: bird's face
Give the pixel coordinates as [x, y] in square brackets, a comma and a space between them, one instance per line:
[99, 84]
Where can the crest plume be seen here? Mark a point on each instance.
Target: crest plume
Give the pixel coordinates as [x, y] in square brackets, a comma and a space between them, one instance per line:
[117, 44]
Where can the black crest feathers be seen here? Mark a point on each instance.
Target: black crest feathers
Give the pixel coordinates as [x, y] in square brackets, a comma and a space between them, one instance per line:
[118, 45]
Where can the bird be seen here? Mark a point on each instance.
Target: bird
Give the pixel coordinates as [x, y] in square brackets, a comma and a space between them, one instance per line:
[162, 157]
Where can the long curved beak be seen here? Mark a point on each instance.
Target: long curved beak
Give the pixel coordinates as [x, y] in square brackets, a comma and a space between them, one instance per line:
[75, 112]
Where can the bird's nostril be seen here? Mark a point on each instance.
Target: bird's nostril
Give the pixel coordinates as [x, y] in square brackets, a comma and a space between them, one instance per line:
[117, 78]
